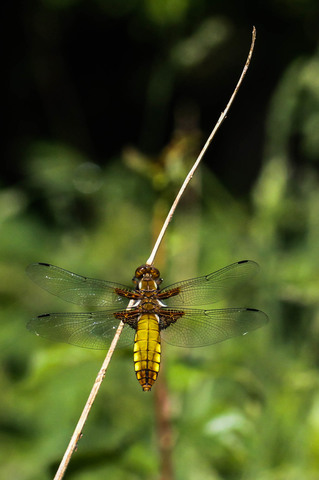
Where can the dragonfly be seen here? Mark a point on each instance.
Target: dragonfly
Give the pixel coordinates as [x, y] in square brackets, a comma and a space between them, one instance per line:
[149, 313]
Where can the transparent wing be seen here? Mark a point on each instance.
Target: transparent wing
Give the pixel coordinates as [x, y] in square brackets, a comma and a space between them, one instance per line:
[89, 330]
[196, 328]
[77, 289]
[209, 288]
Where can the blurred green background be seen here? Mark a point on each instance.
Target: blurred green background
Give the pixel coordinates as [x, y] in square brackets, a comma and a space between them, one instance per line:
[106, 106]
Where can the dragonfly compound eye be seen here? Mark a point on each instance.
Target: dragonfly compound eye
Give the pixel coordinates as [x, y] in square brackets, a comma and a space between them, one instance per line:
[147, 270]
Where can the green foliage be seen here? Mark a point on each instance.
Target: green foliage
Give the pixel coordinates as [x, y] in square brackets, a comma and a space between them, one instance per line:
[245, 409]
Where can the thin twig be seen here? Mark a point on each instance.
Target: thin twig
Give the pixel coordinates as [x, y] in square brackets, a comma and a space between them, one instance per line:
[202, 153]
[99, 379]
[78, 429]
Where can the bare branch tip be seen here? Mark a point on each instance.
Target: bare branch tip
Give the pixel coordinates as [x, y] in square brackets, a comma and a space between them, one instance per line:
[222, 117]
[254, 33]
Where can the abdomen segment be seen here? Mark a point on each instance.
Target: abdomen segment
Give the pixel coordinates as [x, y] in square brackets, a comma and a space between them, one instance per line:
[147, 350]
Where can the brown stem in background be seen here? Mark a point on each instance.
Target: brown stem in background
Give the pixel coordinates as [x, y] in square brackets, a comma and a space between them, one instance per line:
[164, 427]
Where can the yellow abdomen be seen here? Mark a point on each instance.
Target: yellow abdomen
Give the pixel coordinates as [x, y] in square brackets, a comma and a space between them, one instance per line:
[147, 350]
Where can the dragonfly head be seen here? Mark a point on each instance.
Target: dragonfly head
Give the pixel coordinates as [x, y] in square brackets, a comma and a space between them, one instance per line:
[148, 274]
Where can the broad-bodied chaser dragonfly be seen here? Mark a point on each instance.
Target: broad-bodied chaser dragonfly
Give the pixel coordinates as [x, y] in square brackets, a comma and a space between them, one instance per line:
[151, 312]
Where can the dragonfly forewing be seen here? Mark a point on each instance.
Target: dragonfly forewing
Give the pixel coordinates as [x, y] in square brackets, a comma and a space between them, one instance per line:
[210, 288]
[77, 289]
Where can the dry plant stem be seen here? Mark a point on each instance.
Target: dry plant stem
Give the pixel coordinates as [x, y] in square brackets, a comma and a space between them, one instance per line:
[202, 153]
[78, 429]
[99, 379]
